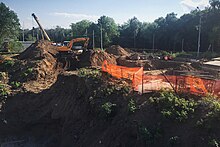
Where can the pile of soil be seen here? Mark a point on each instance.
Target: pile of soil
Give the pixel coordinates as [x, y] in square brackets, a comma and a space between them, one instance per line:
[40, 58]
[123, 61]
[117, 51]
[39, 50]
[98, 57]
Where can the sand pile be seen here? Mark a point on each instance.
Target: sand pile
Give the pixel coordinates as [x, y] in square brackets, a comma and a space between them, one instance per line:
[117, 51]
[40, 58]
[97, 58]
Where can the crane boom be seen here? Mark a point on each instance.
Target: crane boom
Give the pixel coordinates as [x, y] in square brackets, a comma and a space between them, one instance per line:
[42, 29]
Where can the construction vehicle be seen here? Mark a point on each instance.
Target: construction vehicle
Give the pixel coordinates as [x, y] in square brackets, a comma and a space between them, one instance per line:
[76, 45]
[71, 51]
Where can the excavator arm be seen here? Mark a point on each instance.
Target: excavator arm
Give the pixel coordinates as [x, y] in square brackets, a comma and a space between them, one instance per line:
[40, 26]
[84, 41]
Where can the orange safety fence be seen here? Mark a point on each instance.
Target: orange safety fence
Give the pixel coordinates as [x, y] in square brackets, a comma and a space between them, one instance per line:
[146, 83]
[121, 72]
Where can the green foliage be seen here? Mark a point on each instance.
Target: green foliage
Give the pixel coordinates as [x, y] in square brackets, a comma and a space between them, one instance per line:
[9, 23]
[213, 143]
[79, 28]
[150, 134]
[174, 141]
[9, 63]
[3, 90]
[109, 29]
[132, 106]
[15, 46]
[89, 73]
[108, 107]
[16, 84]
[172, 106]
[27, 72]
[211, 105]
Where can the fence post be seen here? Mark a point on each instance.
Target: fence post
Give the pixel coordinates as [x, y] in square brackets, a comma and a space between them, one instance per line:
[121, 72]
[142, 82]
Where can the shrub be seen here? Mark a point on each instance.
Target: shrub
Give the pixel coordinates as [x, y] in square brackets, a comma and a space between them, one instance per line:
[172, 106]
[15, 84]
[150, 134]
[213, 143]
[211, 107]
[3, 90]
[9, 63]
[15, 46]
[108, 107]
[89, 73]
[132, 106]
[175, 140]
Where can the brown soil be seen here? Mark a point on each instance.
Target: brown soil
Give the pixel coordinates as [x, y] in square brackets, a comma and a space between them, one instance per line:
[134, 63]
[67, 110]
[99, 56]
[117, 51]
[39, 50]
[68, 114]
[36, 67]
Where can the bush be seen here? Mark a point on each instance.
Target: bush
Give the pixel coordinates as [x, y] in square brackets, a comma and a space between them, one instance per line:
[3, 90]
[108, 107]
[172, 106]
[150, 134]
[211, 106]
[16, 84]
[9, 63]
[174, 141]
[15, 46]
[89, 73]
[132, 106]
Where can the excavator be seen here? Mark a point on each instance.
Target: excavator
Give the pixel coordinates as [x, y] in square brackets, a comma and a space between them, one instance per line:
[71, 51]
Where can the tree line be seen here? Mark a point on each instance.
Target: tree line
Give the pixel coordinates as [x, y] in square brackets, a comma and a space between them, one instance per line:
[165, 33]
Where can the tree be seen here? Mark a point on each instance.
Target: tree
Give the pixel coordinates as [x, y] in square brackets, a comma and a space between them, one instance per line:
[129, 32]
[9, 23]
[109, 29]
[79, 29]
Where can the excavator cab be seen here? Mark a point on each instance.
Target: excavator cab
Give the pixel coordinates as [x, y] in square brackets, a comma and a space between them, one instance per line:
[70, 53]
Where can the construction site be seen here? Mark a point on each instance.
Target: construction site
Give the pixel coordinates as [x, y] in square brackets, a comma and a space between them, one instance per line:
[73, 95]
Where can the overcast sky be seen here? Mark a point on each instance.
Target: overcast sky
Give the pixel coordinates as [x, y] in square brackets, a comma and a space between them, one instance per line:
[64, 12]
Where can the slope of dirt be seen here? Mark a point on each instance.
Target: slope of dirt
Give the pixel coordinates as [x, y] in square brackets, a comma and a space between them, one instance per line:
[73, 113]
[97, 58]
[117, 51]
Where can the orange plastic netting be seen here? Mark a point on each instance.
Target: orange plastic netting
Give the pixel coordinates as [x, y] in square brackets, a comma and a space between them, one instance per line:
[145, 83]
[121, 72]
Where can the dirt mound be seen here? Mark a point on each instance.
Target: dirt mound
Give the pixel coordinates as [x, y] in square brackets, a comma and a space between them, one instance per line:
[117, 51]
[38, 66]
[99, 56]
[39, 50]
[134, 63]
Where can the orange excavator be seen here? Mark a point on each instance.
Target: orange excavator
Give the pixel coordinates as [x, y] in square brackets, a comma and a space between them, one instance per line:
[76, 45]
[69, 52]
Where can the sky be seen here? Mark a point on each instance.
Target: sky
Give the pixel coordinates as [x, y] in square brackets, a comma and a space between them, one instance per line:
[52, 13]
